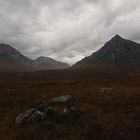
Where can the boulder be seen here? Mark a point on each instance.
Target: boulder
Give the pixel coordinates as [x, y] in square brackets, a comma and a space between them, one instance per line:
[34, 116]
[29, 117]
[62, 99]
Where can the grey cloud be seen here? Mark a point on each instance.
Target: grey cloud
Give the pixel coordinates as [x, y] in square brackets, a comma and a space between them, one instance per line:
[67, 30]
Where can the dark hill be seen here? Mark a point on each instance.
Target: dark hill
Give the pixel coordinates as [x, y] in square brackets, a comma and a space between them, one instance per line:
[116, 53]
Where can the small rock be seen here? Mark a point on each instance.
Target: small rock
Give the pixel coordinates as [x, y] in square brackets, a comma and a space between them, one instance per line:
[62, 99]
[21, 74]
[106, 90]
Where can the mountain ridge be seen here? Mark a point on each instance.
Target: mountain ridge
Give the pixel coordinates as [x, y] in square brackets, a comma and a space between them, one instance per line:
[45, 62]
[13, 60]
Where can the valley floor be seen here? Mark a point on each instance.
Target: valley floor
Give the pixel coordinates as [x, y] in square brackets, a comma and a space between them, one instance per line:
[109, 108]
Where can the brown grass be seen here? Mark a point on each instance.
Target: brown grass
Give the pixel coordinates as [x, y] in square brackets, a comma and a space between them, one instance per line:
[116, 112]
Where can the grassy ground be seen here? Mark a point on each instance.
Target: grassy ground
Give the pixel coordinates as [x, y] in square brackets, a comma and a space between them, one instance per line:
[113, 115]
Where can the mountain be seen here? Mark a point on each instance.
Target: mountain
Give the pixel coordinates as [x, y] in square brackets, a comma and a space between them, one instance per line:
[118, 53]
[49, 63]
[9, 54]
[11, 60]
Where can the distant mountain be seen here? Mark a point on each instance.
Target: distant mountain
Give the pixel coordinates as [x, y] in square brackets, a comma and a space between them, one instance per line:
[11, 60]
[49, 63]
[118, 53]
[9, 54]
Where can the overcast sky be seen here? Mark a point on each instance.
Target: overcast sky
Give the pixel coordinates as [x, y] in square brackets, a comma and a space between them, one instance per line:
[66, 30]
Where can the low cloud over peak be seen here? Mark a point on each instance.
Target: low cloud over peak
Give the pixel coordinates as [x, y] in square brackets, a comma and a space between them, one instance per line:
[66, 30]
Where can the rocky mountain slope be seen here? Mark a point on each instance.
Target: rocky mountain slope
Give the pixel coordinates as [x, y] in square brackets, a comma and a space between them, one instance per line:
[118, 52]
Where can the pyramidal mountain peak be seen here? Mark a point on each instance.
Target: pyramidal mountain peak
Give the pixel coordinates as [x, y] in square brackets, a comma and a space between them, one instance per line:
[117, 39]
[117, 36]
[116, 52]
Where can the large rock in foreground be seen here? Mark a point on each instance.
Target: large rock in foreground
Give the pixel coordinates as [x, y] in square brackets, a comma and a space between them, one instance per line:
[33, 116]
[50, 114]
[29, 117]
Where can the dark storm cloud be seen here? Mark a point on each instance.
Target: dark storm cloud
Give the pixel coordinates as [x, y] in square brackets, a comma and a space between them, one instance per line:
[66, 30]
